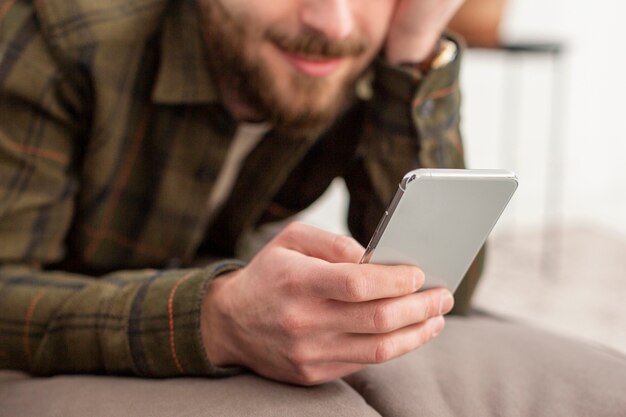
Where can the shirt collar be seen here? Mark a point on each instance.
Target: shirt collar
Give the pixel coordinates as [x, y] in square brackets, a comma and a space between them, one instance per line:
[183, 76]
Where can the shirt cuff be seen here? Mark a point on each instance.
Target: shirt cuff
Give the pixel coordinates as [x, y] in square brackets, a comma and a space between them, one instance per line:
[179, 351]
[407, 80]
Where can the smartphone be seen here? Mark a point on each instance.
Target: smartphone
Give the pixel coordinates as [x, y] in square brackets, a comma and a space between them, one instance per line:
[439, 219]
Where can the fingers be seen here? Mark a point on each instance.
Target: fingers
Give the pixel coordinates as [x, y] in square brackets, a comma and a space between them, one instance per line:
[372, 349]
[340, 278]
[387, 315]
[364, 282]
[374, 332]
[367, 349]
[349, 353]
[318, 243]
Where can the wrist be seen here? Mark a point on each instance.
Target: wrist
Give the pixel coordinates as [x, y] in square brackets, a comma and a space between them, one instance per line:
[214, 319]
[425, 64]
[416, 50]
[444, 52]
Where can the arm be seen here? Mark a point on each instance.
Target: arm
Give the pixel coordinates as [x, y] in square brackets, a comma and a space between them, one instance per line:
[412, 120]
[140, 322]
[416, 27]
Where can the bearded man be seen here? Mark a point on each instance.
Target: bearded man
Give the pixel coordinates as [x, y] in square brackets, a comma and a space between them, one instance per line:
[144, 144]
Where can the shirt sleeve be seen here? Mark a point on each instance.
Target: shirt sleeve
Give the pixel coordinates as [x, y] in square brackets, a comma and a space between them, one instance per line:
[142, 322]
[411, 122]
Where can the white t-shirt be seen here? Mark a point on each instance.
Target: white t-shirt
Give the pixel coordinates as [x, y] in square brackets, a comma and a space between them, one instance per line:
[248, 135]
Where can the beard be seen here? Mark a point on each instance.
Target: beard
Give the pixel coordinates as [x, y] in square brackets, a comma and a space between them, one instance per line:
[308, 104]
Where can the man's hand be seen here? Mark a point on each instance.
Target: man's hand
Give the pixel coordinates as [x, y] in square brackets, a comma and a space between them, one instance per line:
[415, 28]
[303, 311]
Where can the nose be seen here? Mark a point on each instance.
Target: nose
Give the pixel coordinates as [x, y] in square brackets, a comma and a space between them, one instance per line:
[332, 18]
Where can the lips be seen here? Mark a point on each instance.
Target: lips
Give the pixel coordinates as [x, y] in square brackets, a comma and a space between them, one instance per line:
[312, 67]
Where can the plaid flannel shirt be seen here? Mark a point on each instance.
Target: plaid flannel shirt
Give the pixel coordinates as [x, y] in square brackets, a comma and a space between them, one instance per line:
[111, 138]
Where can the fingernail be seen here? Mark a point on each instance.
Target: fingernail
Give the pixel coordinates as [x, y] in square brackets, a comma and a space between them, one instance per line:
[437, 324]
[446, 303]
[418, 281]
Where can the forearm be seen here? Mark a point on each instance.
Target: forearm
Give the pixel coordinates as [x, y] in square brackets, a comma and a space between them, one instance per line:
[416, 27]
[412, 122]
[134, 322]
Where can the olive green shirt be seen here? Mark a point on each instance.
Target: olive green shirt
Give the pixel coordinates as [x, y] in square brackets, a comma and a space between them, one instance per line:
[111, 139]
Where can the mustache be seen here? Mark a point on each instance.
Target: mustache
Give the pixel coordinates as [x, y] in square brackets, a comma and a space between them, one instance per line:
[312, 44]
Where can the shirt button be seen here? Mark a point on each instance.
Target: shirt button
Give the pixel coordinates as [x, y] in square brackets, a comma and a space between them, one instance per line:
[427, 108]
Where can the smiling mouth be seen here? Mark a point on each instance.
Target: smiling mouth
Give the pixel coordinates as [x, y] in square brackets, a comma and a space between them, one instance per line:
[311, 65]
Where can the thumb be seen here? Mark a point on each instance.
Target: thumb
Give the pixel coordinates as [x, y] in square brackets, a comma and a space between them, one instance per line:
[312, 241]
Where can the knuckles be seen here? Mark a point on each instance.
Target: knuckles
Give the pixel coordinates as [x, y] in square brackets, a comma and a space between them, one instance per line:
[345, 247]
[355, 287]
[387, 347]
[298, 356]
[293, 324]
[297, 350]
[308, 377]
[385, 350]
[384, 318]
[292, 232]
[290, 284]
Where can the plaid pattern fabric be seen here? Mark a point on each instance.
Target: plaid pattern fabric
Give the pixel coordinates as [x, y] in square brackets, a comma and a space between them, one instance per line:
[111, 138]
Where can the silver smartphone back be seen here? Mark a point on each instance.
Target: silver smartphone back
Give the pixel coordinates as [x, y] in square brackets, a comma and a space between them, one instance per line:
[439, 219]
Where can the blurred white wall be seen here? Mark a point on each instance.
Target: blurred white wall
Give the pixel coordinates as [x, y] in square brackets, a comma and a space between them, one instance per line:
[502, 129]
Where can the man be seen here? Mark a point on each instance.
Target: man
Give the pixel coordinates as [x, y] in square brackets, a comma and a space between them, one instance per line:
[143, 143]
